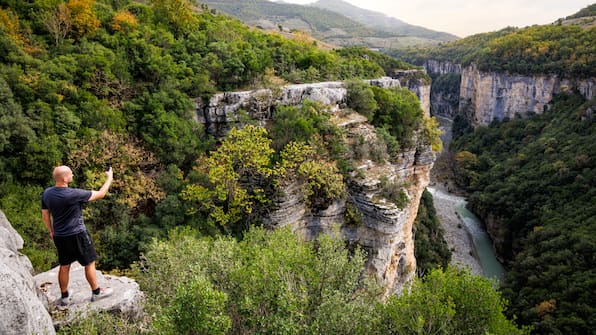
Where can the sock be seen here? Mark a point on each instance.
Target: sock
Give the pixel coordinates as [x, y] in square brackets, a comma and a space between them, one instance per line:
[96, 291]
[64, 294]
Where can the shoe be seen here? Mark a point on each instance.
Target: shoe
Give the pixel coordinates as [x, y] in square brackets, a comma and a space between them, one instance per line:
[63, 302]
[103, 292]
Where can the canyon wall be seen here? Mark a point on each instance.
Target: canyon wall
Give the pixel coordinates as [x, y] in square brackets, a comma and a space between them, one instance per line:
[383, 229]
[497, 96]
[441, 67]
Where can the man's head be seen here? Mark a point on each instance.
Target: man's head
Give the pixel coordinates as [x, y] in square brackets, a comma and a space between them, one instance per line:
[62, 175]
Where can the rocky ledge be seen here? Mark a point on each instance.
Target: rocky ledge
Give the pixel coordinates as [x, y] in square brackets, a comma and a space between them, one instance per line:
[27, 302]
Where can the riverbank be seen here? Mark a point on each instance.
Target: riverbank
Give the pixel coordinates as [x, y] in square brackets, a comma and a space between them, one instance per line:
[457, 237]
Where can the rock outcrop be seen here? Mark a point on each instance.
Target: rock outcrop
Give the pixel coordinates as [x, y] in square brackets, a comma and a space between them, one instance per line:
[223, 109]
[127, 298]
[383, 229]
[27, 302]
[23, 310]
[496, 96]
[441, 67]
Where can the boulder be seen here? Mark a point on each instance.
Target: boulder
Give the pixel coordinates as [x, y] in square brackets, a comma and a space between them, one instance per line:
[127, 298]
[21, 309]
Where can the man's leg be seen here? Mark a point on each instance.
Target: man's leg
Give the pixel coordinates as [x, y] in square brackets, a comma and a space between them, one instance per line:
[91, 275]
[63, 277]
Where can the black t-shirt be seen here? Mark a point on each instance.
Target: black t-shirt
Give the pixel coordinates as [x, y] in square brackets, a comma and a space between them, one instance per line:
[66, 206]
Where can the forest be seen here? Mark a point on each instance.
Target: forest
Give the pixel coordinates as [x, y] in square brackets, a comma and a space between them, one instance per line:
[536, 179]
[84, 81]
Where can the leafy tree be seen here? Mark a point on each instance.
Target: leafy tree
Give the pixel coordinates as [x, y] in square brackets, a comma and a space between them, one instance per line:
[124, 21]
[447, 301]
[398, 111]
[84, 20]
[197, 308]
[238, 172]
[361, 98]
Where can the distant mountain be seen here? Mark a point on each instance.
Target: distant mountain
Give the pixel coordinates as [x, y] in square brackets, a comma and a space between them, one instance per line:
[327, 25]
[381, 21]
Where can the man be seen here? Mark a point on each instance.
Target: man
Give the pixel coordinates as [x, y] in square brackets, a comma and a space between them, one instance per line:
[61, 211]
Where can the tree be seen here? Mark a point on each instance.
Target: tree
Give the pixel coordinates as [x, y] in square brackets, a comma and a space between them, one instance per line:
[238, 173]
[178, 14]
[84, 20]
[447, 301]
[59, 22]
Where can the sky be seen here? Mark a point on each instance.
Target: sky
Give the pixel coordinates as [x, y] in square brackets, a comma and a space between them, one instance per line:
[468, 17]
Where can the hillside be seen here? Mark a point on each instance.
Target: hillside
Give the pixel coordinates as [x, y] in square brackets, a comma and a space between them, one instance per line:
[532, 181]
[382, 22]
[565, 50]
[328, 24]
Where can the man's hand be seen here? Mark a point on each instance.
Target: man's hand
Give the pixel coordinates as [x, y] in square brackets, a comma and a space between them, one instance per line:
[95, 195]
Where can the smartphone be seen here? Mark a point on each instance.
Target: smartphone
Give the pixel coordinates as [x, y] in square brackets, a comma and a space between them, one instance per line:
[108, 164]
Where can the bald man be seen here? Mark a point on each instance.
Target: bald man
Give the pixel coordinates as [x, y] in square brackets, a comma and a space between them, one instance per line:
[62, 213]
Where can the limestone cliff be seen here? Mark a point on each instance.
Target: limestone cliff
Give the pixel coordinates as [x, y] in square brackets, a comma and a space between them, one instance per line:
[222, 110]
[23, 309]
[496, 96]
[441, 67]
[382, 228]
[444, 93]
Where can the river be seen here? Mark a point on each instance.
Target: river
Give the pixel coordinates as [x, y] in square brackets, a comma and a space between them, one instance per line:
[465, 234]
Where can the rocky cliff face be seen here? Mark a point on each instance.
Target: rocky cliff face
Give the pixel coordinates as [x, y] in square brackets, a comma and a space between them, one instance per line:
[23, 309]
[441, 67]
[382, 228]
[444, 94]
[496, 96]
[222, 110]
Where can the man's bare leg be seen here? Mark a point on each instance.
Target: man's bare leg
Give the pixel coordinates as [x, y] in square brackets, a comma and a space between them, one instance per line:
[63, 277]
[91, 275]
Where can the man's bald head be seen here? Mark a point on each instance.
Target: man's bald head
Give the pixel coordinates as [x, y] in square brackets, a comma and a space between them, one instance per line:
[62, 174]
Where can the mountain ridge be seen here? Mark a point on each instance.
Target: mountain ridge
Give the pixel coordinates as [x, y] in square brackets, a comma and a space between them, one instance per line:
[330, 25]
[381, 21]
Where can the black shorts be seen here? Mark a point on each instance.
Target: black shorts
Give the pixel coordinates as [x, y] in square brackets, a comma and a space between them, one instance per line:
[78, 247]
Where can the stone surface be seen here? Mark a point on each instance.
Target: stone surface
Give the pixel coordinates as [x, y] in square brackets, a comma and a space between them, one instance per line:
[441, 67]
[496, 96]
[127, 298]
[22, 309]
[222, 111]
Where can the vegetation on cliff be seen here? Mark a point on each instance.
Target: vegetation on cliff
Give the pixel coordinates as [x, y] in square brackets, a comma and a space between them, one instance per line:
[535, 179]
[564, 50]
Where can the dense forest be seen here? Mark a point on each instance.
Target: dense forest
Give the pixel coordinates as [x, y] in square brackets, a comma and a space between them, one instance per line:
[83, 81]
[536, 179]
